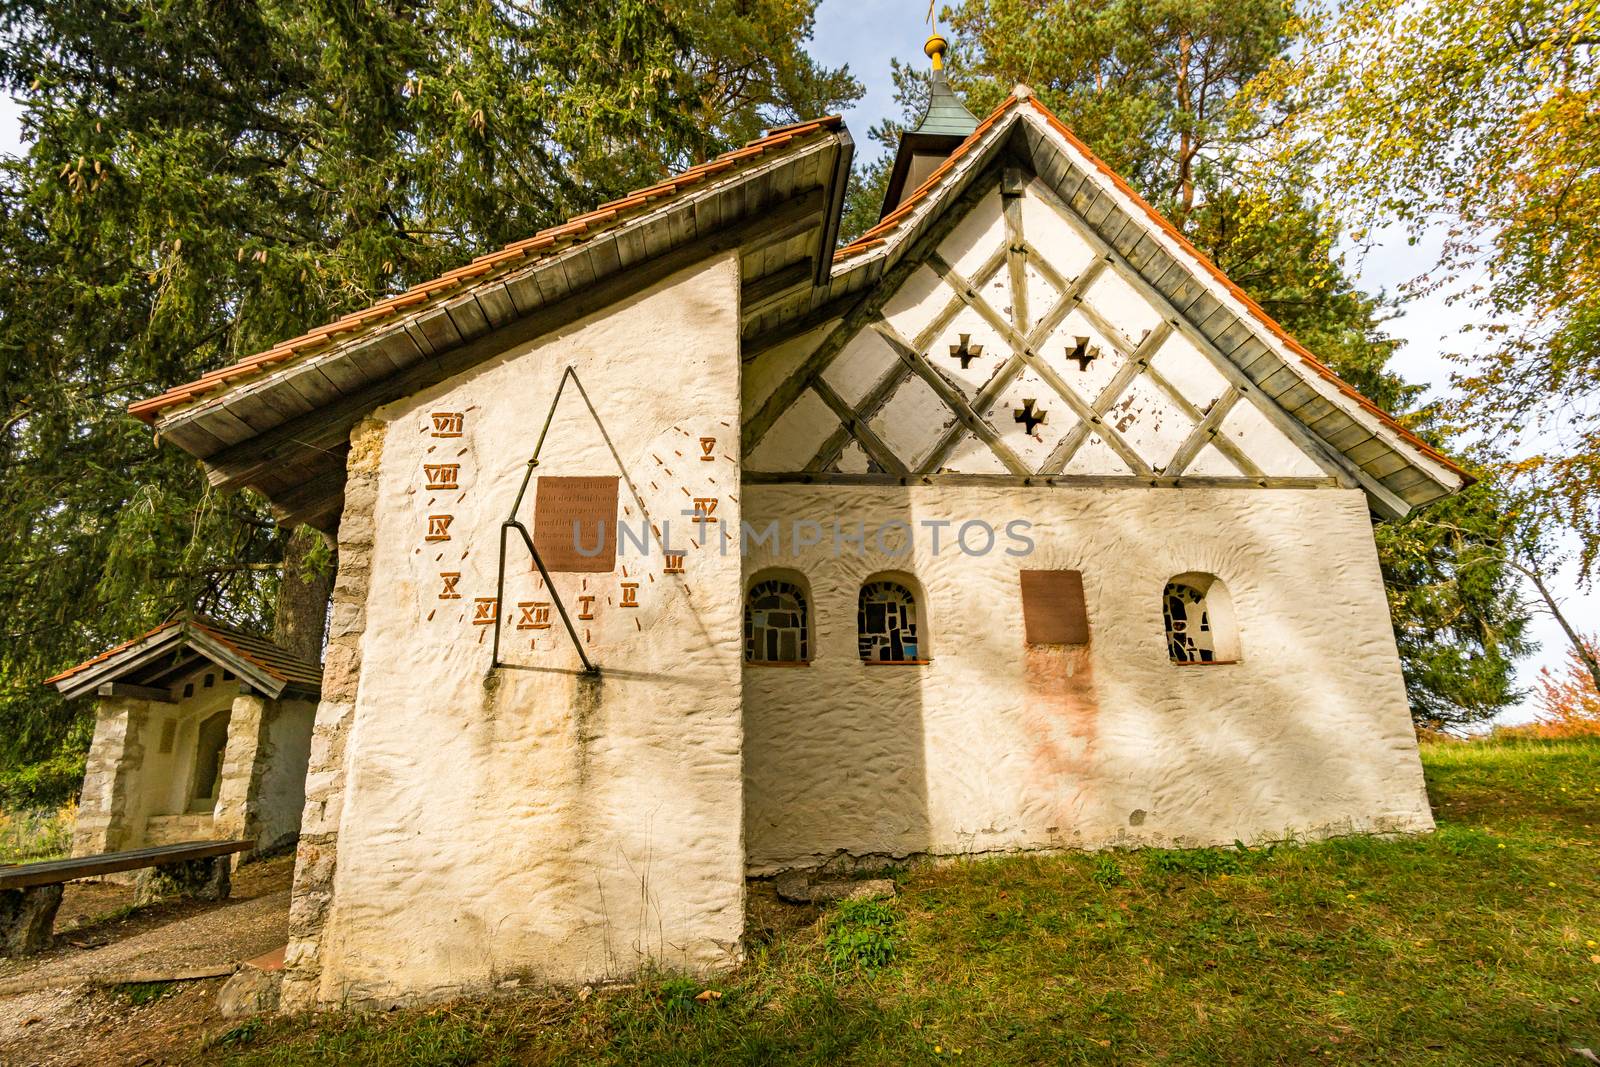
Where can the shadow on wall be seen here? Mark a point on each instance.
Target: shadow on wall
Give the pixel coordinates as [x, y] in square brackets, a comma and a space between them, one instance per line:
[835, 760]
[1301, 712]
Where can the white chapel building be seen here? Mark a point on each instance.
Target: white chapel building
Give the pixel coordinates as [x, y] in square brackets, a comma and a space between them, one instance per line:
[679, 546]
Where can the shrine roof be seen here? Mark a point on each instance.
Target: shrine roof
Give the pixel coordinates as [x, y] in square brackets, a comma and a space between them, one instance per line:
[174, 649]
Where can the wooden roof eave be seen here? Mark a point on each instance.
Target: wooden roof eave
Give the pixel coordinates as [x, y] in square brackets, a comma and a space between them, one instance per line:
[1247, 321]
[209, 424]
[846, 274]
[249, 672]
[120, 664]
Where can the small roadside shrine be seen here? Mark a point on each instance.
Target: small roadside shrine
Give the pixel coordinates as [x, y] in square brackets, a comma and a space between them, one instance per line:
[201, 732]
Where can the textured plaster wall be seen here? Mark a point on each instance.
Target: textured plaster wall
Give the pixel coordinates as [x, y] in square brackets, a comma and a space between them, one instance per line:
[281, 795]
[995, 746]
[262, 792]
[167, 778]
[129, 781]
[529, 820]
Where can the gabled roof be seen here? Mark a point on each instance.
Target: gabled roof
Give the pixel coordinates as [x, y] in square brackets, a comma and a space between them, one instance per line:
[161, 657]
[279, 421]
[1398, 469]
[547, 242]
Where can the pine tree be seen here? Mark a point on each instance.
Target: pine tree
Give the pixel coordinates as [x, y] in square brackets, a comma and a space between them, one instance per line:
[205, 178]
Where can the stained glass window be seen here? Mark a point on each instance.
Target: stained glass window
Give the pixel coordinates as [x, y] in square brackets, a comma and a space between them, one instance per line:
[775, 624]
[1190, 638]
[886, 626]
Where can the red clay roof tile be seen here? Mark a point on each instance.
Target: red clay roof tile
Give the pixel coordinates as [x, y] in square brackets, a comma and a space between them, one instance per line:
[263, 653]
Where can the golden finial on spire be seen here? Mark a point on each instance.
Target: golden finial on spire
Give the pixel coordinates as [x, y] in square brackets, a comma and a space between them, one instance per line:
[934, 48]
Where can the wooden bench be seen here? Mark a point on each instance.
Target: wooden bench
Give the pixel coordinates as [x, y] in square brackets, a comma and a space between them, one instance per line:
[30, 893]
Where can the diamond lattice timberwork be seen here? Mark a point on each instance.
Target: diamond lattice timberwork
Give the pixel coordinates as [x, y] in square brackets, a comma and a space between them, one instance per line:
[1056, 366]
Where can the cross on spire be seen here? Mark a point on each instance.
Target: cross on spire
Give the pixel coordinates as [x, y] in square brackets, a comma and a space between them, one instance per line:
[1029, 416]
[965, 351]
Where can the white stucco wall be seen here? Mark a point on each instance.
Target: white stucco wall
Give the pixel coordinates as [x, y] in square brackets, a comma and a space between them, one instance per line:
[995, 746]
[282, 792]
[166, 779]
[528, 820]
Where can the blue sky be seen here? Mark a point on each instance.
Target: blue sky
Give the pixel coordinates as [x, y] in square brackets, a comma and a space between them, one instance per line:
[866, 34]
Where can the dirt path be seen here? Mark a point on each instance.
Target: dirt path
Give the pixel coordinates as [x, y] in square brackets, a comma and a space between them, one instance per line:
[56, 1009]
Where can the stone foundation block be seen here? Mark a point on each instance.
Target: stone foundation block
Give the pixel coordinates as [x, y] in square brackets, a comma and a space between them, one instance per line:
[206, 879]
[26, 917]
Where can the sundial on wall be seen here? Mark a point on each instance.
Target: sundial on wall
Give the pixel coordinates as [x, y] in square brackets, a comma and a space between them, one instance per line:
[611, 542]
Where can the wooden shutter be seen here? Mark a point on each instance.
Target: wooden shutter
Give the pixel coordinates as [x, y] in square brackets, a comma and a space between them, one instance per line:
[1053, 611]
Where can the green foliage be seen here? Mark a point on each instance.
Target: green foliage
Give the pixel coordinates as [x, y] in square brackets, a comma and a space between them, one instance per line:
[1150, 86]
[1200, 862]
[1458, 624]
[58, 774]
[28, 835]
[1458, 616]
[203, 180]
[862, 934]
[1478, 943]
[139, 994]
[245, 1033]
[1107, 872]
[1477, 119]
[442, 1038]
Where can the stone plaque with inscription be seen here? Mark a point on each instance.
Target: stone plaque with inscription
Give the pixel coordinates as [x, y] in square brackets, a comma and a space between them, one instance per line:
[575, 523]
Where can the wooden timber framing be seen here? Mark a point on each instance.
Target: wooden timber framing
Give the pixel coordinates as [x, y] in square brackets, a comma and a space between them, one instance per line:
[1036, 363]
[1330, 459]
[1012, 179]
[135, 692]
[910, 362]
[1058, 481]
[1182, 289]
[966, 415]
[860, 312]
[1358, 447]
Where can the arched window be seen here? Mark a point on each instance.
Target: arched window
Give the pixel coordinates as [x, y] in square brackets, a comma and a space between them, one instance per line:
[775, 624]
[886, 625]
[211, 745]
[1199, 620]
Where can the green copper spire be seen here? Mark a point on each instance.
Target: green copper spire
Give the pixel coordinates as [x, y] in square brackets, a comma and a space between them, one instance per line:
[946, 116]
[945, 124]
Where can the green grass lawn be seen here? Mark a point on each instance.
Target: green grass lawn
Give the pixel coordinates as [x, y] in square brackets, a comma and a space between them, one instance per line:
[1478, 944]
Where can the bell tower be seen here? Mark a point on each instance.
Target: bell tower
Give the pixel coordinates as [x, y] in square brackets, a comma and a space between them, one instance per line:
[945, 124]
